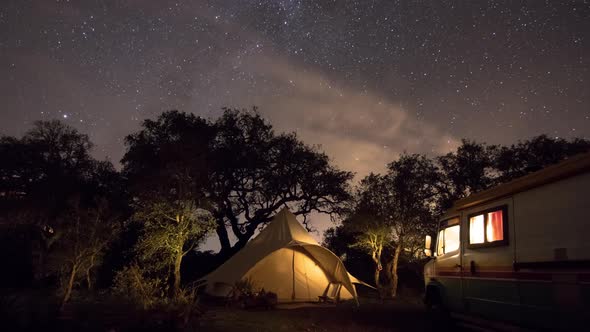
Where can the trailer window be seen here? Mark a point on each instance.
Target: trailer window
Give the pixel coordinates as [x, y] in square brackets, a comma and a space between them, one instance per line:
[488, 227]
[452, 238]
[476, 227]
[440, 243]
[448, 240]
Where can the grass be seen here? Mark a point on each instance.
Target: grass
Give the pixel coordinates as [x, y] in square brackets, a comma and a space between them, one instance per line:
[113, 314]
[398, 315]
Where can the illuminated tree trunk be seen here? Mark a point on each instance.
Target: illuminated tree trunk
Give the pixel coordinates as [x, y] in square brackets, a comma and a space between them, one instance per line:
[88, 275]
[394, 277]
[376, 255]
[377, 274]
[177, 262]
[70, 285]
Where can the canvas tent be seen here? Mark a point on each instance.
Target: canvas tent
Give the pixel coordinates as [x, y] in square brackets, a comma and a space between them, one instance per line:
[286, 260]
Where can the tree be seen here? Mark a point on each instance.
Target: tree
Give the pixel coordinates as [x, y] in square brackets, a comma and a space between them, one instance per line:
[373, 232]
[468, 170]
[411, 183]
[340, 240]
[400, 206]
[532, 155]
[373, 236]
[258, 172]
[49, 180]
[43, 168]
[167, 165]
[85, 233]
[237, 168]
[170, 232]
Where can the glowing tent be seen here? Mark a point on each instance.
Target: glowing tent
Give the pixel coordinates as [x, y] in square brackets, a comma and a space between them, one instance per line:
[286, 260]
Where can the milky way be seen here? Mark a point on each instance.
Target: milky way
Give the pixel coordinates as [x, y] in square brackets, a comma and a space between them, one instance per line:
[365, 80]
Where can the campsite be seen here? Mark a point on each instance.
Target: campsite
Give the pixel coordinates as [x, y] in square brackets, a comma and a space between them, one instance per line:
[122, 251]
[294, 165]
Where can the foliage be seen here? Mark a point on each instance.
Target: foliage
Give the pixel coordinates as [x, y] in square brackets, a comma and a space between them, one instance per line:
[247, 294]
[169, 235]
[187, 175]
[68, 201]
[85, 233]
[245, 286]
[468, 170]
[358, 263]
[258, 172]
[167, 166]
[148, 294]
[477, 166]
[237, 168]
[532, 155]
[131, 283]
[169, 230]
[394, 210]
[168, 159]
[372, 235]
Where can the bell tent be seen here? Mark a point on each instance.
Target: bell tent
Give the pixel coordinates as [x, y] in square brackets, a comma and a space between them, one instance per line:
[286, 260]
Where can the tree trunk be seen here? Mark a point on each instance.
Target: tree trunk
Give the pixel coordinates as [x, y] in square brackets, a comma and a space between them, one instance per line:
[69, 285]
[223, 237]
[394, 278]
[88, 275]
[228, 252]
[377, 273]
[88, 280]
[177, 262]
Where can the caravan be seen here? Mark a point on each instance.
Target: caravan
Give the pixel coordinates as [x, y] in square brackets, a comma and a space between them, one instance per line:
[518, 253]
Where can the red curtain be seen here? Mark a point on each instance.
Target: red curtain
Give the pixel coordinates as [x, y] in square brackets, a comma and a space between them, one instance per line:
[495, 226]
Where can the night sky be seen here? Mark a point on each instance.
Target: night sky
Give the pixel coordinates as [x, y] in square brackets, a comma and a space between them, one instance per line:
[366, 80]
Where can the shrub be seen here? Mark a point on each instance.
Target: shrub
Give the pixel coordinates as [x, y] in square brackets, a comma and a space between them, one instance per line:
[132, 284]
[246, 294]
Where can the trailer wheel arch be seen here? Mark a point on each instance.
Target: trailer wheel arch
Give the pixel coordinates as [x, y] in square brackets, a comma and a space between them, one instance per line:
[436, 306]
[433, 296]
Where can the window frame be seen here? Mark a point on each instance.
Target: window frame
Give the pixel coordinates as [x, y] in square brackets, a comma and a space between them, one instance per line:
[442, 226]
[486, 244]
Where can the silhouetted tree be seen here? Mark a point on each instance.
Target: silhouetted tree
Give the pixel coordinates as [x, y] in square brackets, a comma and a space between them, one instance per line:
[339, 239]
[468, 170]
[167, 164]
[372, 236]
[86, 230]
[45, 171]
[398, 209]
[258, 172]
[43, 168]
[532, 155]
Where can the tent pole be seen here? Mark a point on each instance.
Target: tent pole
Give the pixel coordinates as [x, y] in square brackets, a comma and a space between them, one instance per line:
[293, 269]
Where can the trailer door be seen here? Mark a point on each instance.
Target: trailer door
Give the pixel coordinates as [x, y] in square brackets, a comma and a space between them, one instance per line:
[489, 284]
[448, 263]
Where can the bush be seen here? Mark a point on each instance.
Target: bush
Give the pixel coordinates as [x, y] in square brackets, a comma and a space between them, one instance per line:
[153, 306]
[130, 283]
[245, 294]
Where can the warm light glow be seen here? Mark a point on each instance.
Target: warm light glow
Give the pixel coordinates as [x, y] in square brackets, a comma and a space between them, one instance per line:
[476, 229]
[448, 240]
[440, 242]
[452, 238]
[486, 228]
[495, 227]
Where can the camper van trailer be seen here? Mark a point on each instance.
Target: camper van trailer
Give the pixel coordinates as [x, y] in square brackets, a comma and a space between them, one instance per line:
[518, 253]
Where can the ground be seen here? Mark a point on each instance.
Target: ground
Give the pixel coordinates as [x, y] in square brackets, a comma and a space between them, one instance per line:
[395, 316]
[32, 314]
